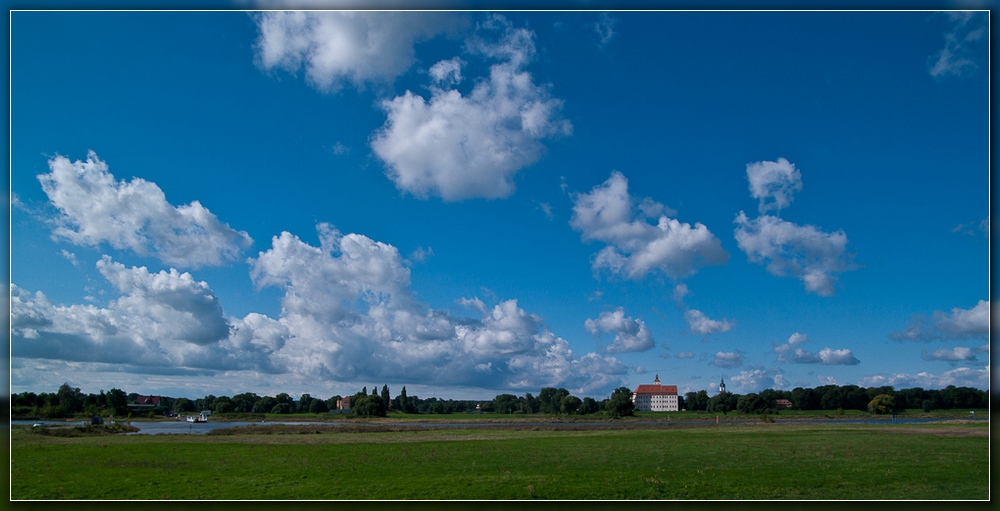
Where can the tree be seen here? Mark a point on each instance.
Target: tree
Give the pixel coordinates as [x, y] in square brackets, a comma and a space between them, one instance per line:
[722, 402]
[222, 405]
[751, 403]
[620, 404]
[117, 401]
[529, 404]
[833, 399]
[368, 406]
[318, 406]
[243, 403]
[805, 399]
[570, 404]
[283, 407]
[401, 400]
[696, 400]
[588, 406]
[550, 399]
[505, 403]
[302, 406]
[882, 404]
[71, 400]
[183, 404]
[385, 396]
[264, 404]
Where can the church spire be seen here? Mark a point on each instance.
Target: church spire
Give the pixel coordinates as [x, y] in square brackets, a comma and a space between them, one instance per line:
[722, 385]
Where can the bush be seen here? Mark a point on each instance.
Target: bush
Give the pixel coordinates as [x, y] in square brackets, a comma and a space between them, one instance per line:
[368, 406]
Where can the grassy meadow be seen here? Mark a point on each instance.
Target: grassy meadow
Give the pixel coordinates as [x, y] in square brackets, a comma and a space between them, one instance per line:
[767, 461]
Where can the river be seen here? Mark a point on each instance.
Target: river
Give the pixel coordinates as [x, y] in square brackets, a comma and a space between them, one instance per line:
[200, 428]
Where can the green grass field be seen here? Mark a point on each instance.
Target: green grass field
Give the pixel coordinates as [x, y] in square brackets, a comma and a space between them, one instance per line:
[932, 461]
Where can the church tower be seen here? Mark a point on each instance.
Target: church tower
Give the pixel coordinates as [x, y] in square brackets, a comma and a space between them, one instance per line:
[656, 381]
[722, 385]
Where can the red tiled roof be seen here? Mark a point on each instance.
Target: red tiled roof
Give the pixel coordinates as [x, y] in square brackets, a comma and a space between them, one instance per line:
[656, 390]
[147, 400]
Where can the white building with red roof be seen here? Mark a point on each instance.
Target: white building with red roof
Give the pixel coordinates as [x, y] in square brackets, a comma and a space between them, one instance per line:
[656, 397]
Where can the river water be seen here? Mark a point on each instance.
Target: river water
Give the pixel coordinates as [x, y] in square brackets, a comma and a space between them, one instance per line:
[200, 428]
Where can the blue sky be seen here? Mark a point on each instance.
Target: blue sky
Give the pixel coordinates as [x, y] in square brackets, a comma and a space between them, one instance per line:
[470, 203]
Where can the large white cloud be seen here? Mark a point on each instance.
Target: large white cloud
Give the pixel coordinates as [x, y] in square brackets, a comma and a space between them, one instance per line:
[631, 334]
[773, 183]
[457, 146]
[635, 246]
[957, 324]
[96, 208]
[346, 48]
[164, 320]
[167, 305]
[349, 314]
[801, 251]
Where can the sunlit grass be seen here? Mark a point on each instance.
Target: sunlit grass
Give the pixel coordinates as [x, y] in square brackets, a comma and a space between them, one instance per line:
[726, 462]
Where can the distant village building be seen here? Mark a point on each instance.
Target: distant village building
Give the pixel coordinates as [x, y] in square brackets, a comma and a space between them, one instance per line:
[344, 403]
[145, 403]
[722, 385]
[782, 404]
[656, 397]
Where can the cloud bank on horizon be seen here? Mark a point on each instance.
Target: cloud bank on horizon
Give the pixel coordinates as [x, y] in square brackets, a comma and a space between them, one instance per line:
[476, 119]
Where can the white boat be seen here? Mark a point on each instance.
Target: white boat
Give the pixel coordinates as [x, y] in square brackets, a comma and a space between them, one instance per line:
[197, 418]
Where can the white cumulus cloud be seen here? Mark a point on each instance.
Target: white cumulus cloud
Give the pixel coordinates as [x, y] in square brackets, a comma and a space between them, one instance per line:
[791, 351]
[959, 377]
[457, 146]
[95, 208]
[349, 314]
[957, 354]
[957, 324]
[757, 379]
[340, 48]
[728, 359]
[631, 334]
[801, 251]
[163, 322]
[774, 183]
[699, 323]
[635, 246]
[831, 356]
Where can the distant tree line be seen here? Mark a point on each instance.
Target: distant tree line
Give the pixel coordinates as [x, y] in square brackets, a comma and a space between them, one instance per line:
[68, 401]
[839, 397]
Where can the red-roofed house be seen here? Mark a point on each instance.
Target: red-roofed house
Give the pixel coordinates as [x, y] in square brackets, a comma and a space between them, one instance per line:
[147, 400]
[656, 397]
[145, 403]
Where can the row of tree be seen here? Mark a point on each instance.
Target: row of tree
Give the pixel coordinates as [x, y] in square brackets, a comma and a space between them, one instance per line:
[68, 401]
[834, 397]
